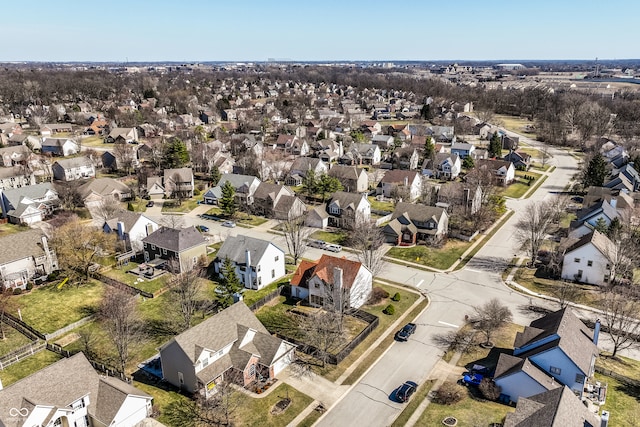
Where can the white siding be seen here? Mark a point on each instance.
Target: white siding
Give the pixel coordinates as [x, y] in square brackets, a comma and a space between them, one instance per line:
[133, 410]
[594, 274]
[361, 288]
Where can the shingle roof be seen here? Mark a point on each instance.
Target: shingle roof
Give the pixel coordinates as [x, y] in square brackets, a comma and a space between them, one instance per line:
[398, 176]
[128, 218]
[74, 162]
[600, 240]
[418, 212]
[554, 408]
[509, 365]
[345, 200]
[103, 186]
[324, 268]
[185, 174]
[175, 239]
[266, 190]
[217, 331]
[344, 172]
[51, 386]
[21, 245]
[234, 248]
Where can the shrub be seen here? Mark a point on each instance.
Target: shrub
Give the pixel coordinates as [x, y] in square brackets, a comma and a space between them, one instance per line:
[449, 393]
[489, 389]
[378, 294]
[130, 207]
[29, 286]
[196, 192]
[390, 309]
[17, 291]
[396, 297]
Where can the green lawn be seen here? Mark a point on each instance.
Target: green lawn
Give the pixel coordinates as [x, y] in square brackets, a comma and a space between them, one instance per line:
[517, 188]
[47, 308]
[251, 296]
[257, 411]
[526, 277]
[214, 211]
[28, 366]
[503, 342]
[139, 205]
[188, 205]
[468, 412]
[441, 258]
[163, 394]
[338, 237]
[12, 339]
[514, 124]
[623, 402]
[252, 220]
[7, 229]
[130, 279]
[381, 206]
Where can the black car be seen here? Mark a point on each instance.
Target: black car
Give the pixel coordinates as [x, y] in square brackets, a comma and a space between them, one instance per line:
[406, 390]
[404, 333]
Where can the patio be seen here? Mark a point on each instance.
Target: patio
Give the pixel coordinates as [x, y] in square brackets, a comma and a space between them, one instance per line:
[150, 270]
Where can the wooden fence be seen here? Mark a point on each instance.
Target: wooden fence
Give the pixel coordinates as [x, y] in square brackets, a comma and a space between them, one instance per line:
[23, 328]
[265, 299]
[120, 285]
[18, 354]
[69, 327]
[108, 370]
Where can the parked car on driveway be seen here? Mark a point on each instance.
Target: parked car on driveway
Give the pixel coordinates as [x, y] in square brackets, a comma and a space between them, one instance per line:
[404, 392]
[404, 333]
[229, 224]
[202, 228]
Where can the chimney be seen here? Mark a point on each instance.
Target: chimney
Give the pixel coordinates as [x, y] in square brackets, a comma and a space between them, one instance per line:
[613, 202]
[406, 181]
[596, 331]
[247, 271]
[121, 230]
[337, 286]
[604, 419]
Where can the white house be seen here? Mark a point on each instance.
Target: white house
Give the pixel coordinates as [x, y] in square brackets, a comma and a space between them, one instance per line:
[28, 205]
[71, 393]
[502, 170]
[343, 210]
[332, 281]
[245, 186]
[588, 259]
[131, 227]
[400, 180]
[59, 146]
[601, 212]
[258, 262]
[24, 257]
[73, 169]
[231, 345]
[16, 177]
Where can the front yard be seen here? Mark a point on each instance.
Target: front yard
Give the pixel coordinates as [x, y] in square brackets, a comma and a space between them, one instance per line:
[439, 258]
[575, 292]
[337, 237]
[521, 185]
[47, 308]
[172, 206]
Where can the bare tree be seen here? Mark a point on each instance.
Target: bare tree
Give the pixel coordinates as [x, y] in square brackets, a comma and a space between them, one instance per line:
[459, 340]
[623, 248]
[120, 318]
[172, 221]
[295, 236]
[545, 155]
[106, 208]
[125, 155]
[620, 307]
[490, 317]
[323, 329]
[181, 190]
[533, 227]
[69, 195]
[186, 287]
[6, 303]
[368, 240]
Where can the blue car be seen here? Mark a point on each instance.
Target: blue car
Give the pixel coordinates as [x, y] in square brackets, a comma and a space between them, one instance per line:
[472, 379]
[202, 228]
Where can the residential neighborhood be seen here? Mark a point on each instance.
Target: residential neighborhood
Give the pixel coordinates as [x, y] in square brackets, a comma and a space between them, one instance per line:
[250, 242]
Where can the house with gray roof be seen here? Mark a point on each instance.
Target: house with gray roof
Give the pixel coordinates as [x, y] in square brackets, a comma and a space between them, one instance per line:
[342, 210]
[178, 183]
[301, 166]
[352, 178]
[589, 258]
[74, 168]
[123, 135]
[558, 407]
[602, 212]
[258, 262]
[97, 190]
[24, 257]
[232, 346]
[556, 348]
[245, 186]
[182, 246]
[131, 228]
[16, 177]
[59, 146]
[412, 223]
[71, 393]
[277, 201]
[30, 204]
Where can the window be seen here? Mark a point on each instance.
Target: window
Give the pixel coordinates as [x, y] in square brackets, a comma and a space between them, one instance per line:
[205, 362]
[576, 260]
[580, 378]
[589, 263]
[579, 273]
[606, 278]
[164, 251]
[153, 247]
[608, 267]
[273, 274]
[277, 258]
[258, 268]
[554, 370]
[252, 370]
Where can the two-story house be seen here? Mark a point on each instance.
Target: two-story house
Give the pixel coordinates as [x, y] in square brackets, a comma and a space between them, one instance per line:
[332, 281]
[300, 168]
[97, 190]
[554, 350]
[59, 146]
[462, 149]
[406, 158]
[180, 248]
[73, 169]
[352, 178]
[502, 170]
[14, 155]
[343, 210]
[443, 166]
[412, 223]
[602, 212]
[258, 262]
[131, 228]
[404, 182]
[277, 201]
[245, 186]
[25, 256]
[520, 160]
[231, 345]
[361, 154]
[178, 180]
[123, 135]
[71, 393]
[16, 177]
[589, 259]
[28, 205]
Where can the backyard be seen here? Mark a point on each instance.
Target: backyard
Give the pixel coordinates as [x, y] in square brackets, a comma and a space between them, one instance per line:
[28, 366]
[48, 308]
[121, 274]
[12, 340]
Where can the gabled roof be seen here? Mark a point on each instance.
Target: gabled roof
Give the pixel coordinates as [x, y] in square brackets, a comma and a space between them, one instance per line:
[493, 164]
[18, 246]
[587, 213]
[573, 337]
[33, 192]
[175, 239]
[235, 247]
[218, 331]
[267, 190]
[417, 212]
[324, 269]
[305, 163]
[397, 176]
[128, 219]
[345, 172]
[185, 174]
[237, 180]
[52, 386]
[345, 200]
[599, 240]
[509, 365]
[75, 162]
[554, 408]
[103, 186]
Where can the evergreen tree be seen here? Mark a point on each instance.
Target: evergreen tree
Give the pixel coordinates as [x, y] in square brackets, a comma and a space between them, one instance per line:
[425, 112]
[468, 162]
[596, 172]
[429, 148]
[175, 154]
[601, 225]
[615, 228]
[215, 175]
[228, 200]
[228, 285]
[495, 146]
[328, 185]
[309, 183]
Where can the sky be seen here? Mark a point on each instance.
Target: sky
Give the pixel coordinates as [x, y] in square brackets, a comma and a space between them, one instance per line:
[331, 30]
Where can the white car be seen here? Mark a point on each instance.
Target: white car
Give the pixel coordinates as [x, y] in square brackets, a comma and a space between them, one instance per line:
[230, 224]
